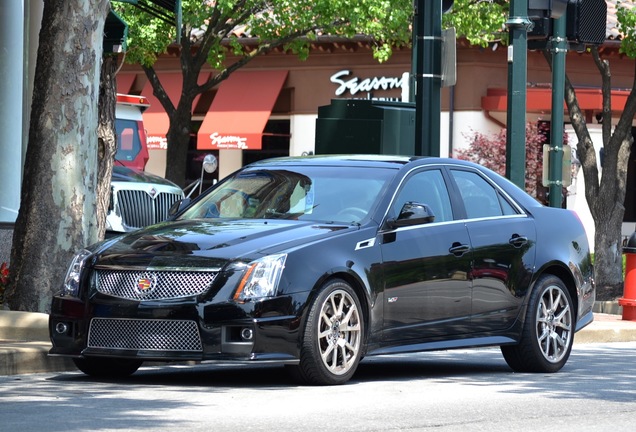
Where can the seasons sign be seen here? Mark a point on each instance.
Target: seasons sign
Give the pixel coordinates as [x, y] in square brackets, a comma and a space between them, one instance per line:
[355, 85]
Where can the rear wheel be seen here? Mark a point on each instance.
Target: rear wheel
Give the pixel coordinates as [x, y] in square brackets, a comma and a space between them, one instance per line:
[333, 338]
[103, 367]
[548, 333]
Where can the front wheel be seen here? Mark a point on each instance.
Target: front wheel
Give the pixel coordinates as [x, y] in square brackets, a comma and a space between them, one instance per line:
[548, 333]
[103, 367]
[333, 337]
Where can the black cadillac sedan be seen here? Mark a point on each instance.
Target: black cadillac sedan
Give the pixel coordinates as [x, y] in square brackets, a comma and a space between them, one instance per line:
[317, 262]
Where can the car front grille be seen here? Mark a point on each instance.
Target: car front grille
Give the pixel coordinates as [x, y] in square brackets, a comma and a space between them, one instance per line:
[139, 334]
[152, 285]
[138, 209]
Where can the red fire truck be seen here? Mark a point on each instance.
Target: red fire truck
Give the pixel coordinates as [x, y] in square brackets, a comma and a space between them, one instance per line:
[132, 151]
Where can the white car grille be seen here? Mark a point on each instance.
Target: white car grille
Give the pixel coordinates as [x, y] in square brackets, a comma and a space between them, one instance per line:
[139, 209]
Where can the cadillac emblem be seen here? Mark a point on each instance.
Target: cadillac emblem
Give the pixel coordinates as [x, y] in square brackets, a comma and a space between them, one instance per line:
[145, 285]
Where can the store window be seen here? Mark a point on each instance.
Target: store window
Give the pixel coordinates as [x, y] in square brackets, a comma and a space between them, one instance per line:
[275, 142]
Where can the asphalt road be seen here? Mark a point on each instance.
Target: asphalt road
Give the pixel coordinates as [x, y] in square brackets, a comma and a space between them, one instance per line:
[464, 390]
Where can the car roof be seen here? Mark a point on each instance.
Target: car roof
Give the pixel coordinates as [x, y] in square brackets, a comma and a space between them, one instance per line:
[361, 160]
[387, 161]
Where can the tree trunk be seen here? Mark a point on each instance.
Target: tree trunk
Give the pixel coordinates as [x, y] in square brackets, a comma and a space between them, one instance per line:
[178, 136]
[57, 211]
[107, 139]
[178, 141]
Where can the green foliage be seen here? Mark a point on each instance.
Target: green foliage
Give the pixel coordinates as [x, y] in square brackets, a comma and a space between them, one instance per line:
[295, 22]
[627, 26]
[479, 21]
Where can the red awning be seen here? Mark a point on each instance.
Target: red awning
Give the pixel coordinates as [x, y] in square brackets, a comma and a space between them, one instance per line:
[156, 121]
[540, 99]
[240, 110]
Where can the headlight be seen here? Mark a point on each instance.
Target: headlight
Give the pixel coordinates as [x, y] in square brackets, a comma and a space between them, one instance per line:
[261, 278]
[72, 280]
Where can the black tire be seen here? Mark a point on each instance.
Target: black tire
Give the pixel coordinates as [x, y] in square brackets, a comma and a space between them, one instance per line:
[103, 367]
[333, 338]
[548, 332]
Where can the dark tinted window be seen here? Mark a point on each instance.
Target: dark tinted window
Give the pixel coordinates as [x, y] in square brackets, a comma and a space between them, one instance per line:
[128, 142]
[480, 198]
[426, 187]
[326, 194]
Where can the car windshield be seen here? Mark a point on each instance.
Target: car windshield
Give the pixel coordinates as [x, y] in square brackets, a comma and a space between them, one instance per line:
[315, 193]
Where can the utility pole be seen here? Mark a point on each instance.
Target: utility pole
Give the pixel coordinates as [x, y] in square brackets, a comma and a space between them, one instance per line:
[558, 45]
[428, 76]
[518, 25]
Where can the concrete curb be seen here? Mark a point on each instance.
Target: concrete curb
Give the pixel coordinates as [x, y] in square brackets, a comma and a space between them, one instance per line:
[18, 358]
[24, 326]
[25, 344]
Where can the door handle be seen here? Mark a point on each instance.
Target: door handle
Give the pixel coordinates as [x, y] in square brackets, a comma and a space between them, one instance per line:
[517, 241]
[459, 249]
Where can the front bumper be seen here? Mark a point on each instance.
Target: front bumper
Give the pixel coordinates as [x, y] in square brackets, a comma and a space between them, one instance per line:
[176, 330]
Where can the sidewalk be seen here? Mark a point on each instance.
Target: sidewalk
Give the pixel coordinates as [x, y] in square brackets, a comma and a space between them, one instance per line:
[24, 340]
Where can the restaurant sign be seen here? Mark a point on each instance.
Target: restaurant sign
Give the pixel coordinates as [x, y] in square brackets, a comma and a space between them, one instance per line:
[355, 85]
[224, 142]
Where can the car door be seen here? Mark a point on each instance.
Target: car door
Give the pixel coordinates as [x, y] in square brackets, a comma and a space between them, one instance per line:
[503, 242]
[426, 266]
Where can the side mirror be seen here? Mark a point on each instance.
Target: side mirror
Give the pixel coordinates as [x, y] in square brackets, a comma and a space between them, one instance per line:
[177, 207]
[210, 164]
[413, 213]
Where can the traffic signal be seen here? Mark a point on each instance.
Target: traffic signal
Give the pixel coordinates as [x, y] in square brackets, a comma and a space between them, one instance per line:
[586, 20]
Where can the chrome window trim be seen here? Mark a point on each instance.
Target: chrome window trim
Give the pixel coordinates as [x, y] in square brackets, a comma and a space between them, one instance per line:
[441, 167]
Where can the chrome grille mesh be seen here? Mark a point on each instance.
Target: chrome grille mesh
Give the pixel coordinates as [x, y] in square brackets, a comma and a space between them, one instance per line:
[152, 285]
[138, 334]
[138, 209]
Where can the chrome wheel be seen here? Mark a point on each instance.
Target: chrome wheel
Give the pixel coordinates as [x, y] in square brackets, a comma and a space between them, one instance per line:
[339, 332]
[545, 342]
[333, 339]
[554, 324]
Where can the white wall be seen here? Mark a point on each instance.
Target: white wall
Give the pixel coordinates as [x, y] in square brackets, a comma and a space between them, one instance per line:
[465, 123]
[303, 134]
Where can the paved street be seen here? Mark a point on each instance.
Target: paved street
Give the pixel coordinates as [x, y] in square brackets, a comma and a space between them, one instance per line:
[441, 391]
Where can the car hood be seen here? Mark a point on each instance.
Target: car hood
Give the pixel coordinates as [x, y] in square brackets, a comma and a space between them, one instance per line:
[211, 243]
[125, 174]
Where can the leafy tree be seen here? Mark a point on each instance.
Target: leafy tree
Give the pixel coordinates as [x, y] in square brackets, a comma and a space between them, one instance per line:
[57, 211]
[292, 24]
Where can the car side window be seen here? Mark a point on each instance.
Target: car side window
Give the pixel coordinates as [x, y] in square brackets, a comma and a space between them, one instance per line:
[480, 198]
[426, 187]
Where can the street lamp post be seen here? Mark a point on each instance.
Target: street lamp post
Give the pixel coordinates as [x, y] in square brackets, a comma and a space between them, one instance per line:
[428, 76]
